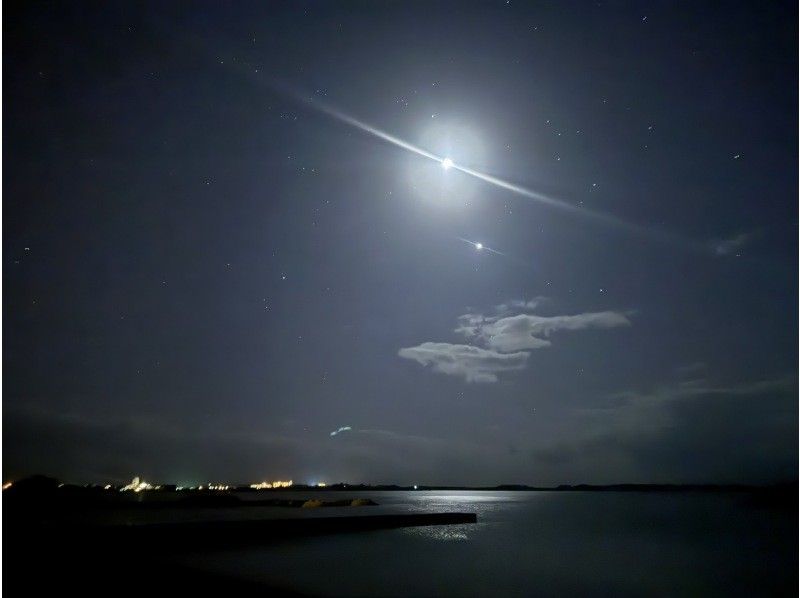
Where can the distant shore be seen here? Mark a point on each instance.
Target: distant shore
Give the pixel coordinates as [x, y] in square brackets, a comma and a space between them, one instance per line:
[42, 484]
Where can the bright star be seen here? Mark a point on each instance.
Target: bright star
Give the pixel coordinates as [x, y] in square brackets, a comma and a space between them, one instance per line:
[447, 163]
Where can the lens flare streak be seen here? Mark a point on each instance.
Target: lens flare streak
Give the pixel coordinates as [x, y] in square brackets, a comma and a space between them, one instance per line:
[448, 164]
[478, 246]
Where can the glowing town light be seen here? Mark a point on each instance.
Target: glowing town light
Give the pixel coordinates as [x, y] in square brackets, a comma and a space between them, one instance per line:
[136, 485]
[321, 485]
[271, 485]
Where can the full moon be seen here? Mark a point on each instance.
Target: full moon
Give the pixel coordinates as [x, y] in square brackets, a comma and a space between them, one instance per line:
[447, 163]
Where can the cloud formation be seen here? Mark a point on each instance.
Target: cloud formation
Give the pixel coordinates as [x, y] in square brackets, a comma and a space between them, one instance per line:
[113, 449]
[657, 436]
[340, 430]
[501, 342]
[520, 305]
[664, 434]
[527, 331]
[473, 363]
[732, 245]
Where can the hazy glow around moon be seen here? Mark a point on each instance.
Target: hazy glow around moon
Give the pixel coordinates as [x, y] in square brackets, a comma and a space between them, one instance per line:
[475, 158]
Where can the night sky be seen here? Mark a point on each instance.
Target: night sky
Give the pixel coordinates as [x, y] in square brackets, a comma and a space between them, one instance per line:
[209, 268]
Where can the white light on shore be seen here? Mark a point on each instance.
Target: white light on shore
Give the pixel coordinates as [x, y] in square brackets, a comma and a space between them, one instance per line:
[136, 485]
[270, 485]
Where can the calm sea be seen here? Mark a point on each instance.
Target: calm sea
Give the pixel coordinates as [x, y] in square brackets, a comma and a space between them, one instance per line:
[535, 544]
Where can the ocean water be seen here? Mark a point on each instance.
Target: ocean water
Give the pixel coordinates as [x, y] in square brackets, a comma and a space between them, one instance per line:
[536, 544]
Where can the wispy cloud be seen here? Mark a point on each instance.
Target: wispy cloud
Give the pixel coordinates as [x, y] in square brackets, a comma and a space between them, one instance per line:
[516, 305]
[731, 245]
[499, 343]
[526, 331]
[340, 430]
[473, 363]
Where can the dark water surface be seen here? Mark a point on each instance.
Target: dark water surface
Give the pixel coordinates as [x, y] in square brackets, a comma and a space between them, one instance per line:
[535, 544]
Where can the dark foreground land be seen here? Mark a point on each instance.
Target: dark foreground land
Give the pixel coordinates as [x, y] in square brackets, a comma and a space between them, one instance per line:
[622, 540]
[49, 546]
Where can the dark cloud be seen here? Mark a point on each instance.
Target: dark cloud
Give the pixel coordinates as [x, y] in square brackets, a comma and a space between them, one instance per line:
[99, 449]
[680, 434]
[672, 434]
[87, 450]
[698, 368]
